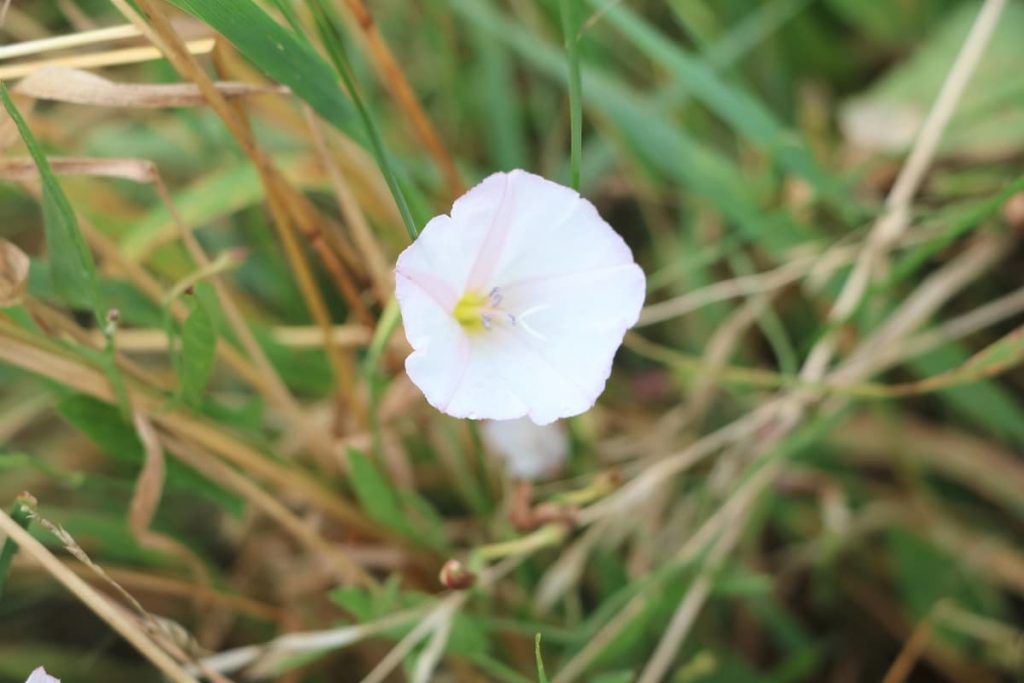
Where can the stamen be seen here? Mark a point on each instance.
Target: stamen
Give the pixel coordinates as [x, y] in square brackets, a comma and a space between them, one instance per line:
[476, 311]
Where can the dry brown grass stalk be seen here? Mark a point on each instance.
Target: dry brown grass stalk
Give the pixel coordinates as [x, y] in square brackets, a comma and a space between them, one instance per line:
[129, 55]
[33, 355]
[96, 602]
[291, 214]
[392, 77]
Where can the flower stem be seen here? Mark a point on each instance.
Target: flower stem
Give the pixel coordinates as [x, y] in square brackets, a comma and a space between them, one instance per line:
[570, 31]
[546, 536]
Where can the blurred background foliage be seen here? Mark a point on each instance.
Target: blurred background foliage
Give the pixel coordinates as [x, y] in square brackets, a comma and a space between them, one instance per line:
[736, 143]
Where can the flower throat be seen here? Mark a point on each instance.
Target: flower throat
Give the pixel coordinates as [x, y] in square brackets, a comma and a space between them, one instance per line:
[476, 311]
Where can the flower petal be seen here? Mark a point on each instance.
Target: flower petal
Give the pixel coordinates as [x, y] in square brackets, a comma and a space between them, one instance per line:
[530, 451]
[554, 232]
[576, 323]
[449, 246]
[506, 378]
[440, 348]
[40, 676]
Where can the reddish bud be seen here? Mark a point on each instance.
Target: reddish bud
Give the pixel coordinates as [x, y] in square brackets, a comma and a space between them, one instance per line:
[27, 499]
[456, 576]
[1013, 211]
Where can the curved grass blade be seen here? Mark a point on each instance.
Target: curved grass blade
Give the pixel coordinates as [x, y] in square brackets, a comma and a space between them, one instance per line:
[331, 37]
[73, 270]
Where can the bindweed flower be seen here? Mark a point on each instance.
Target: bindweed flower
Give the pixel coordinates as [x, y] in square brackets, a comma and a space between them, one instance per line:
[40, 676]
[530, 451]
[516, 303]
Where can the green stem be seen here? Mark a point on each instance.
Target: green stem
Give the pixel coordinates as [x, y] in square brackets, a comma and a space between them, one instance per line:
[332, 43]
[546, 536]
[570, 32]
[20, 513]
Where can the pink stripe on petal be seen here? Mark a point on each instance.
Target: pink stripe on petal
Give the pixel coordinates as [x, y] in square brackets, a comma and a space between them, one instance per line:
[494, 242]
[434, 287]
[458, 377]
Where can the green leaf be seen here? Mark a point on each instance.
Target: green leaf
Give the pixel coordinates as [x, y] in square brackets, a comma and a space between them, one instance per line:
[494, 87]
[136, 308]
[739, 583]
[104, 425]
[404, 511]
[374, 492]
[198, 350]
[73, 270]
[615, 677]
[20, 515]
[730, 102]
[926, 575]
[989, 118]
[23, 461]
[279, 54]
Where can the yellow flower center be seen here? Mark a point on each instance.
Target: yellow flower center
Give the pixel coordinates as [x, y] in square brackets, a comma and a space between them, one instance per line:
[470, 310]
[476, 311]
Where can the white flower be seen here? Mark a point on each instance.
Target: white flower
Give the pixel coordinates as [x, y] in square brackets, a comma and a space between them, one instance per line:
[516, 303]
[40, 676]
[530, 451]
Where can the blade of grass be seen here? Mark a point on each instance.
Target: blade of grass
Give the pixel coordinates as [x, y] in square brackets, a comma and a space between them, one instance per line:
[74, 273]
[278, 53]
[542, 676]
[730, 102]
[570, 31]
[20, 513]
[707, 173]
[95, 601]
[72, 267]
[330, 36]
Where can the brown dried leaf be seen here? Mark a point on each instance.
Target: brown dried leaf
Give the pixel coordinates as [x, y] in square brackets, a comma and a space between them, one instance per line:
[150, 485]
[14, 265]
[22, 169]
[146, 499]
[82, 87]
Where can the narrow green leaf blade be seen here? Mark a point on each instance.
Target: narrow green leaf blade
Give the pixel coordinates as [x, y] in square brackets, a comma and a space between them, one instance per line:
[198, 351]
[73, 270]
[279, 54]
[374, 492]
[737, 107]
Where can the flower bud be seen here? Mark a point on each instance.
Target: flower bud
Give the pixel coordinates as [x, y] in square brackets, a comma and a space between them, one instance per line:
[456, 576]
